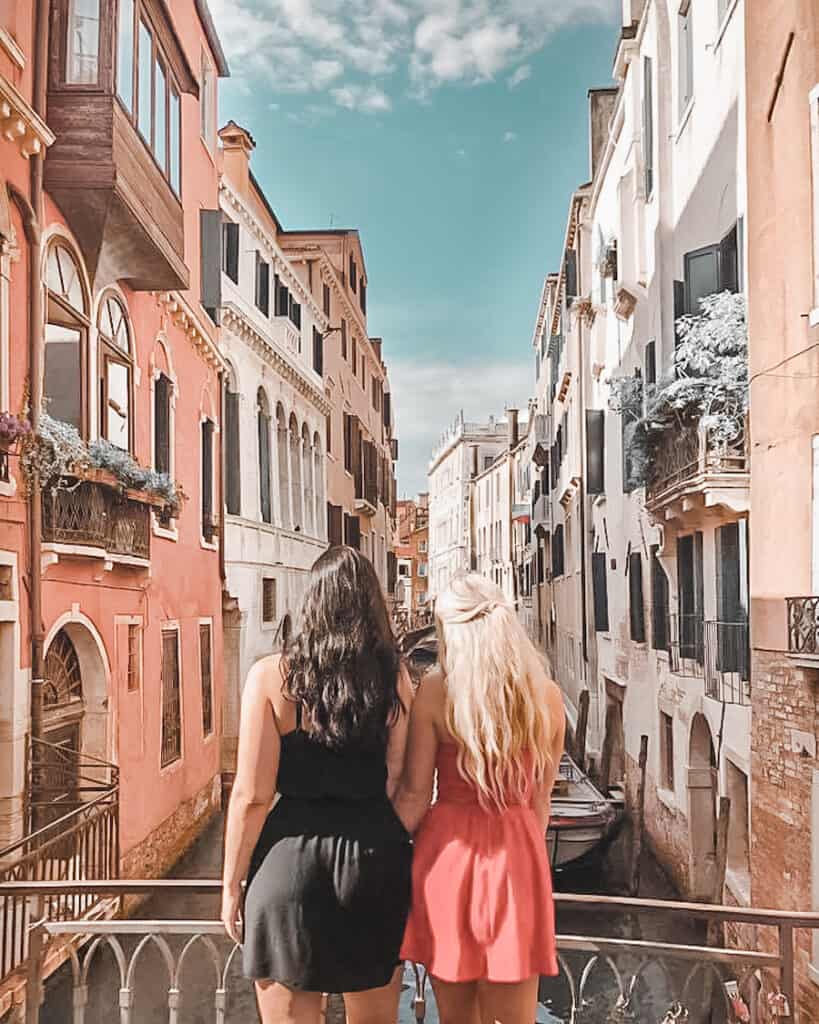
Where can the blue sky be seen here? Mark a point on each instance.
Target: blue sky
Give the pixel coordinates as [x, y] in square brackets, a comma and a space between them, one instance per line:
[450, 133]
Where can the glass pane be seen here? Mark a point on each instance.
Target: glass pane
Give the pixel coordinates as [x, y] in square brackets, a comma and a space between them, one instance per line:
[82, 49]
[176, 142]
[144, 97]
[117, 408]
[159, 122]
[701, 277]
[125, 54]
[61, 380]
[114, 326]
[63, 277]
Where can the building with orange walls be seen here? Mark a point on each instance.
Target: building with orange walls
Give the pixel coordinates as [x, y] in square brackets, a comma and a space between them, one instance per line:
[130, 581]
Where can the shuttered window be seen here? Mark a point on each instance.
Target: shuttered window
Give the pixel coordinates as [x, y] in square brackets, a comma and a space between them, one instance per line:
[355, 358]
[282, 299]
[648, 125]
[353, 274]
[600, 591]
[326, 300]
[659, 603]
[679, 307]
[387, 407]
[266, 505]
[295, 312]
[233, 484]
[162, 424]
[268, 599]
[206, 677]
[650, 374]
[134, 656]
[729, 261]
[210, 262]
[208, 525]
[571, 276]
[362, 298]
[335, 525]
[595, 451]
[262, 285]
[691, 595]
[392, 568]
[352, 531]
[230, 250]
[348, 443]
[637, 617]
[318, 352]
[343, 338]
[171, 699]
[558, 554]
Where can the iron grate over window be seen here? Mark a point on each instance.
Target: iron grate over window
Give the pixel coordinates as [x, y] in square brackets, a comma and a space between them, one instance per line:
[268, 599]
[171, 698]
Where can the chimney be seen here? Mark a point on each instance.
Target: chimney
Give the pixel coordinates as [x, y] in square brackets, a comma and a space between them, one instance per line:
[474, 453]
[512, 421]
[601, 110]
[237, 145]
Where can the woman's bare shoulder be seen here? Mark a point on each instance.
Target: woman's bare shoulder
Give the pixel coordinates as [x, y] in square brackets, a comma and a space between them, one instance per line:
[552, 693]
[431, 693]
[266, 678]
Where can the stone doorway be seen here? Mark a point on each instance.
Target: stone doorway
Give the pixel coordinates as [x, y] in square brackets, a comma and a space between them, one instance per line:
[702, 808]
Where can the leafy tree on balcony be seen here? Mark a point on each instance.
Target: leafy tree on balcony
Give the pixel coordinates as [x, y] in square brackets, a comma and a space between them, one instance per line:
[705, 388]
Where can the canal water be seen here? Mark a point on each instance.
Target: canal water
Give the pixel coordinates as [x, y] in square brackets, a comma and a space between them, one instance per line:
[198, 978]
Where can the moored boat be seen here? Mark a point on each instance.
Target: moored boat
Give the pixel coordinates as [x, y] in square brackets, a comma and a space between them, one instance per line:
[582, 818]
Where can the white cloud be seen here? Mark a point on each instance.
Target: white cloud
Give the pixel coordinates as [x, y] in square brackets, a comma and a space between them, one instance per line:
[460, 152]
[509, 136]
[523, 73]
[427, 396]
[315, 46]
[369, 99]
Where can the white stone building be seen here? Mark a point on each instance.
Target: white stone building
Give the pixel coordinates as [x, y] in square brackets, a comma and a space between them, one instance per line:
[465, 450]
[275, 426]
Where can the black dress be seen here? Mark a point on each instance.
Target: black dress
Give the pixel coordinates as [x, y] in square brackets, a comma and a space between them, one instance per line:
[328, 889]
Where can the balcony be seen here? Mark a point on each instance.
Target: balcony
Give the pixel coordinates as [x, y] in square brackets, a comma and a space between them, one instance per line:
[95, 519]
[803, 630]
[728, 662]
[541, 515]
[540, 439]
[692, 469]
[686, 645]
[168, 968]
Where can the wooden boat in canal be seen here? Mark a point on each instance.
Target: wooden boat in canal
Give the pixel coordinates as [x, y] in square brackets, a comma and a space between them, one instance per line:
[582, 818]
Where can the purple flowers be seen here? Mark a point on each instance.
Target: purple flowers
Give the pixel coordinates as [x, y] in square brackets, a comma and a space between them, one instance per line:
[12, 428]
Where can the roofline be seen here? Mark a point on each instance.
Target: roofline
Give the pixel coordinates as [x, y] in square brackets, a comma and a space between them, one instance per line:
[213, 37]
[254, 181]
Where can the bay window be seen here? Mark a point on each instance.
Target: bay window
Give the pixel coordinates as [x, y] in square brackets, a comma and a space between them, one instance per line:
[125, 54]
[82, 50]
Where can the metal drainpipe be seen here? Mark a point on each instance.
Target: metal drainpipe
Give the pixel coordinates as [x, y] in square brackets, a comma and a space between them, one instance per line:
[221, 480]
[581, 434]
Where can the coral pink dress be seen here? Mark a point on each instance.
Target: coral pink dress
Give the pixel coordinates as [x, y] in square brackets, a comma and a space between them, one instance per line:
[482, 903]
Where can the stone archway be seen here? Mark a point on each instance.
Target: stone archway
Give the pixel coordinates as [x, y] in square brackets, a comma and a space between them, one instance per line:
[702, 808]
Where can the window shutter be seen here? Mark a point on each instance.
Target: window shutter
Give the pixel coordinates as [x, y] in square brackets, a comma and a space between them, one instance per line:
[269, 599]
[266, 504]
[557, 551]
[595, 448]
[352, 531]
[729, 262]
[230, 251]
[262, 285]
[162, 424]
[387, 408]
[318, 352]
[210, 266]
[392, 566]
[701, 276]
[207, 480]
[282, 300]
[353, 274]
[600, 591]
[679, 306]
[294, 312]
[650, 374]
[659, 604]
[326, 300]
[335, 534]
[648, 126]
[233, 489]
[571, 276]
[363, 298]
[635, 590]
[343, 338]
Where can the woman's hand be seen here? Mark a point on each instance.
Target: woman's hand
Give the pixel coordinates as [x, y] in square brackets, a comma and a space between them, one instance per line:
[231, 914]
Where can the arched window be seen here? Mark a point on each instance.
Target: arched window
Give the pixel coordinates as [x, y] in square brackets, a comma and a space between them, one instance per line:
[307, 469]
[116, 374]
[233, 476]
[66, 339]
[284, 467]
[295, 473]
[318, 483]
[263, 418]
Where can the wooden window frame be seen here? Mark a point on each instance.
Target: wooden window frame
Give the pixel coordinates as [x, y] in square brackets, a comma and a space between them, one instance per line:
[206, 679]
[103, 70]
[60, 313]
[667, 774]
[207, 530]
[272, 620]
[636, 599]
[133, 669]
[108, 352]
[168, 630]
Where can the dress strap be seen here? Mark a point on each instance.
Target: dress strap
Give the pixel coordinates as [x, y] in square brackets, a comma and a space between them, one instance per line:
[298, 717]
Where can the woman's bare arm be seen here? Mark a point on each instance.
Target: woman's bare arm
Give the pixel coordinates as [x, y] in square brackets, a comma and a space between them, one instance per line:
[542, 800]
[256, 771]
[397, 745]
[415, 791]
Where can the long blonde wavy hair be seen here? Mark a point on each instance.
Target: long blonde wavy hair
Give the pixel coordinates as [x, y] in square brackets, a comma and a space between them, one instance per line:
[496, 710]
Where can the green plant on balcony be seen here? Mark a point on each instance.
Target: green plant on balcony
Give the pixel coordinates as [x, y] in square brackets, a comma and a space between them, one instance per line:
[706, 387]
[58, 458]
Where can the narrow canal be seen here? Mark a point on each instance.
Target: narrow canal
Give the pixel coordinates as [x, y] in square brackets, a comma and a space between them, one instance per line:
[197, 983]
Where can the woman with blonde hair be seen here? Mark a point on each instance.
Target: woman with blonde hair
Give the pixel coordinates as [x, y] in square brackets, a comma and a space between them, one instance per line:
[491, 722]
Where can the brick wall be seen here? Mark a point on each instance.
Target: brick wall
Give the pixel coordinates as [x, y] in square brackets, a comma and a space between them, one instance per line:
[784, 706]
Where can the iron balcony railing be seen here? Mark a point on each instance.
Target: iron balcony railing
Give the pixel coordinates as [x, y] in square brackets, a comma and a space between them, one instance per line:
[686, 645]
[692, 459]
[728, 662]
[73, 837]
[803, 626]
[95, 515]
[162, 966]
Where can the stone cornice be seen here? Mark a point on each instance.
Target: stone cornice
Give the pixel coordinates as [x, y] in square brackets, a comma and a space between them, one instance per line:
[234, 203]
[234, 320]
[20, 124]
[183, 317]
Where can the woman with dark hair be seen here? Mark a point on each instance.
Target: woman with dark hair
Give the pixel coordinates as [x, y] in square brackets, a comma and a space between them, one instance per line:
[328, 869]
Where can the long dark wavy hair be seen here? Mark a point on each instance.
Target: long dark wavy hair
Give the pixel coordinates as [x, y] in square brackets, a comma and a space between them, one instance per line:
[343, 665]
